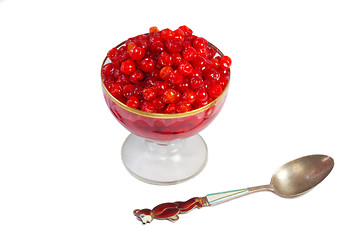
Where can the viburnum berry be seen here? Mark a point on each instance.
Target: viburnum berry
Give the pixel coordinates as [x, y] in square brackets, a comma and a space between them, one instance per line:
[137, 53]
[148, 94]
[169, 96]
[211, 75]
[147, 106]
[187, 31]
[183, 106]
[174, 45]
[153, 30]
[115, 89]
[128, 90]
[136, 76]
[179, 34]
[225, 62]
[175, 77]
[189, 96]
[170, 108]
[128, 66]
[159, 87]
[165, 59]
[215, 90]
[158, 46]
[108, 69]
[189, 54]
[147, 64]
[159, 104]
[165, 73]
[201, 95]
[112, 54]
[176, 58]
[132, 102]
[183, 86]
[200, 43]
[167, 34]
[196, 82]
[185, 68]
[123, 79]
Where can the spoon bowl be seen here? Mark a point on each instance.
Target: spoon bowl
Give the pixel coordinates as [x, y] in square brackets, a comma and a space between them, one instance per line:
[300, 175]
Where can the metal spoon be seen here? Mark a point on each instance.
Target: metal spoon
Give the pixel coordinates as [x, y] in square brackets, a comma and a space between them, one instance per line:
[290, 180]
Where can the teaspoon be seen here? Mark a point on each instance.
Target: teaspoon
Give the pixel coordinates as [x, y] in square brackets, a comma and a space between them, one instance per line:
[290, 180]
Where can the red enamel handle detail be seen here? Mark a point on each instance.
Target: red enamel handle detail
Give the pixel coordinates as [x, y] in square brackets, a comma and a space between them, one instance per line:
[168, 211]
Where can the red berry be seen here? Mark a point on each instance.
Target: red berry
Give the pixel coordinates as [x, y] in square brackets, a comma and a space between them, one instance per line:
[132, 102]
[112, 54]
[200, 63]
[196, 83]
[202, 52]
[183, 106]
[176, 58]
[200, 43]
[167, 34]
[215, 63]
[174, 45]
[123, 79]
[183, 86]
[115, 89]
[189, 96]
[211, 75]
[196, 73]
[215, 90]
[153, 30]
[185, 68]
[138, 91]
[201, 95]
[225, 62]
[159, 87]
[175, 77]
[108, 69]
[178, 34]
[198, 104]
[165, 73]
[148, 94]
[158, 46]
[136, 76]
[170, 108]
[211, 52]
[128, 90]
[187, 31]
[165, 59]
[169, 96]
[147, 64]
[159, 104]
[189, 54]
[148, 107]
[128, 66]
[137, 53]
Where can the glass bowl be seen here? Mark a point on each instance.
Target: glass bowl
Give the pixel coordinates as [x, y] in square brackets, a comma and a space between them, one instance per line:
[164, 148]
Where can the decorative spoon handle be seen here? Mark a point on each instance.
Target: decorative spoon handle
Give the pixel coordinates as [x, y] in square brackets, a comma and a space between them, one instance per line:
[170, 210]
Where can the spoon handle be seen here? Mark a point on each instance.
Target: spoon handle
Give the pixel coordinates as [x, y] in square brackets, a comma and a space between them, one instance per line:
[170, 210]
[221, 197]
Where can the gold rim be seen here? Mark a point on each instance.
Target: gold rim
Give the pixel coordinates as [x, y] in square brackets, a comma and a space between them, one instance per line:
[165, 115]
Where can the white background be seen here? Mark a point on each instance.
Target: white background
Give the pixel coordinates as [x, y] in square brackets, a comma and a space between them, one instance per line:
[61, 176]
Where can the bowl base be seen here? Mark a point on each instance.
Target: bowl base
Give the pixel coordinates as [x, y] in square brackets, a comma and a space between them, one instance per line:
[164, 163]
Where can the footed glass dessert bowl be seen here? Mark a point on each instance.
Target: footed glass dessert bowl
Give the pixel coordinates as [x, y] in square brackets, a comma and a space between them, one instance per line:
[164, 146]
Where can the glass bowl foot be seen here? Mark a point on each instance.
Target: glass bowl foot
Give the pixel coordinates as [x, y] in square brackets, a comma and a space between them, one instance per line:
[164, 163]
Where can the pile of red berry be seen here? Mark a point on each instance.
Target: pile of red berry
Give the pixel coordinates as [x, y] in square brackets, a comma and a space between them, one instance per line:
[166, 71]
